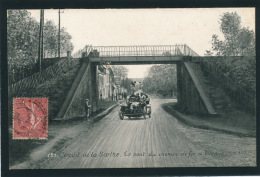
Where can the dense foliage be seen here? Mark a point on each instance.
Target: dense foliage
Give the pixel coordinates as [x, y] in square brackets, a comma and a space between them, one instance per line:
[22, 36]
[238, 41]
[51, 40]
[23, 41]
[161, 80]
[120, 72]
[241, 70]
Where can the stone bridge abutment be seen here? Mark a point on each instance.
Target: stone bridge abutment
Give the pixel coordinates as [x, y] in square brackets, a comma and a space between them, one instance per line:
[191, 95]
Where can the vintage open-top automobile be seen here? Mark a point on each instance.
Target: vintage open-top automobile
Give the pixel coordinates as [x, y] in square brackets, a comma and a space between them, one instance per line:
[134, 108]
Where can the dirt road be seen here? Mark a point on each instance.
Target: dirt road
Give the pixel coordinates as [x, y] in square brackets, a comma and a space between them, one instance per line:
[159, 141]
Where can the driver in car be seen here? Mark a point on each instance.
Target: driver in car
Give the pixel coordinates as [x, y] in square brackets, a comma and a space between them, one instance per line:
[130, 99]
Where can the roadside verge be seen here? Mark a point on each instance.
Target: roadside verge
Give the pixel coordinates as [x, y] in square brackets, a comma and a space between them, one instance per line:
[59, 133]
[221, 123]
[101, 115]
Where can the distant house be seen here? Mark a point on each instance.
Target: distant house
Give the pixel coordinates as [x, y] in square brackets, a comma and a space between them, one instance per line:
[106, 82]
[121, 86]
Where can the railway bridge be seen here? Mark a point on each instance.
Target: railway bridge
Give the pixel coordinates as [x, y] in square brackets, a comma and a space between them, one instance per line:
[191, 92]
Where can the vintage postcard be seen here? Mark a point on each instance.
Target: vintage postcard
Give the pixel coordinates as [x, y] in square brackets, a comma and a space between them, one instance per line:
[131, 88]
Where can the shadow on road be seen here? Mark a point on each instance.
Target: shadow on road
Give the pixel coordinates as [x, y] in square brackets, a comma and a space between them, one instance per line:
[136, 118]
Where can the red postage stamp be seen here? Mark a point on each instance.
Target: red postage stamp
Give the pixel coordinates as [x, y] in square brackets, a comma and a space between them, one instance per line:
[30, 118]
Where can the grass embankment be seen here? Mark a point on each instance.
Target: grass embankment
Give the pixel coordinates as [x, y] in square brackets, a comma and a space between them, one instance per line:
[55, 90]
[236, 122]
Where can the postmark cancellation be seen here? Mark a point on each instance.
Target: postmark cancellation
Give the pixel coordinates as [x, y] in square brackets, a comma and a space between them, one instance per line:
[30, 118]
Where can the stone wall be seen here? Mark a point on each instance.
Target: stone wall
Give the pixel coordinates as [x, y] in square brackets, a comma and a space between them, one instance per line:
[192, 98]
[235, 74]
[77, 104]
[86, 89]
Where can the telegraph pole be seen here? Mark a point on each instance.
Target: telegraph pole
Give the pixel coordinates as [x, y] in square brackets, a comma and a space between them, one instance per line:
[59, 37]
[40, 45]
[40, 33]
[42, 39]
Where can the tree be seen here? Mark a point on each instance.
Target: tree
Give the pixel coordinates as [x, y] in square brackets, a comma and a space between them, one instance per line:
[65, 42]
[50, 39]
[120, 71]
[247, 47]
[126, 83]
[230, 27]
[161, 80]
[22, 36]
[237, 41]
[23, 42]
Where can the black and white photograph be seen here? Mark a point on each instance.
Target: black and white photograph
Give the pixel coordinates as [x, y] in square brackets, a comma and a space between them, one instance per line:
[131, 88]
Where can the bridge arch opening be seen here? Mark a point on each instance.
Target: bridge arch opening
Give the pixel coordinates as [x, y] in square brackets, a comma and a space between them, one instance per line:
[116, 81]
[172, 55]
[107, 84]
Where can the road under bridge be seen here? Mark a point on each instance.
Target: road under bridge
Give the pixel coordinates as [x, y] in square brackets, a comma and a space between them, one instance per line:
[191, 92]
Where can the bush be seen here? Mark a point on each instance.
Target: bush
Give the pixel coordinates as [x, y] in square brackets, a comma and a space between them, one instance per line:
[240, 69]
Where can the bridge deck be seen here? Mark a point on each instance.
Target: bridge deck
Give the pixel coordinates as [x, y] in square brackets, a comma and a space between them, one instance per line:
[137, 59]
[133, 51]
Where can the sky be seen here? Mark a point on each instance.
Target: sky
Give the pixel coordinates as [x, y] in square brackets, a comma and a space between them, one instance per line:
[116, 27]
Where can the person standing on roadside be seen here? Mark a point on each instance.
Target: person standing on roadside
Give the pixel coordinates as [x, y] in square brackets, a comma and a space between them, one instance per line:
[87, 109]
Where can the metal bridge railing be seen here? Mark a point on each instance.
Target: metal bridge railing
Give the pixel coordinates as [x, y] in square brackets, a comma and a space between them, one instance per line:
[146, 50]
[87, 49]
[162, 50]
